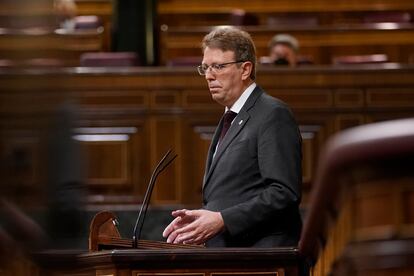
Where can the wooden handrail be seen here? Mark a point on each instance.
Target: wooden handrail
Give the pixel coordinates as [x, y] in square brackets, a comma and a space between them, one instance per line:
[379, 142]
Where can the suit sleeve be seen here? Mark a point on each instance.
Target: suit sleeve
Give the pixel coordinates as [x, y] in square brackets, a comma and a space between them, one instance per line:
[279, 161]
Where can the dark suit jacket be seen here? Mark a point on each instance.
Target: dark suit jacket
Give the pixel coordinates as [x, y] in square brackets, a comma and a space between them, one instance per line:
[255, 177]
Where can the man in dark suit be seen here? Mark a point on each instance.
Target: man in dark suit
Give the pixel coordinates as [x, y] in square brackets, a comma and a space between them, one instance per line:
[252, 183]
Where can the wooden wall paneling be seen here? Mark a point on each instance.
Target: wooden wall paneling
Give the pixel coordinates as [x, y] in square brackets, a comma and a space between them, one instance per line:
[408, 211]
[310, 148]
[120, 99]
[118, 114]
[382, 115]
[346, 99]
[314, 130]
[21, 154]
[304, 98]
[344, 121]
[169, 186]
[165, 134]
[107, 153]
[199, 126]
[197, 135]
[200, 99]
[23, 172]
[398, 100]
[349, 98]
[165, 99]
[115, 162]
[397, 97]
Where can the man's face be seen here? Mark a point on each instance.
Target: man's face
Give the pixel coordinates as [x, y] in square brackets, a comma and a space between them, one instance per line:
[283, 52]
[226, 84]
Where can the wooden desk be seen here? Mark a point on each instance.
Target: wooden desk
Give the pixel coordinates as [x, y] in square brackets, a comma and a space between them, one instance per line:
[26, 14]
[217, 6]
[182, 262]
[61, 45]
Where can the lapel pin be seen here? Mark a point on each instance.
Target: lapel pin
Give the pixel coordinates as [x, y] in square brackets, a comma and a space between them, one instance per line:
[241, 121]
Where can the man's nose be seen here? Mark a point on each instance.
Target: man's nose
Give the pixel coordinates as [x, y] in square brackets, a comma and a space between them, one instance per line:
[209, 74]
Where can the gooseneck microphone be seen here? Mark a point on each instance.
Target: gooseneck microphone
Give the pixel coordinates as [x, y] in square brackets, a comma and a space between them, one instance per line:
[165, 161]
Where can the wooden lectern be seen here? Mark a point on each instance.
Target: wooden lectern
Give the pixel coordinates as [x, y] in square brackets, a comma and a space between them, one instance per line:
[104, 234]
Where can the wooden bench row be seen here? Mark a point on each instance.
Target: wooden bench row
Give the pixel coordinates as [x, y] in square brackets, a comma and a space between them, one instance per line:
[65, 48]
[29, 14]
[218, 6]
[178, 12]
[320, 44]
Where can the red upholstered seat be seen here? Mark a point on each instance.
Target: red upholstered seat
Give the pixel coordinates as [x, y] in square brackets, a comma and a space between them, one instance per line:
[87, 22]
[185, 61]
[4, 63]
[109, 59]
[388, 16]
[360, 59]
[293, 20]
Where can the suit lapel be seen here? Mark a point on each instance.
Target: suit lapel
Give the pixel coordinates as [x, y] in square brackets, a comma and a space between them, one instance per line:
[212, 147]
[235, 128]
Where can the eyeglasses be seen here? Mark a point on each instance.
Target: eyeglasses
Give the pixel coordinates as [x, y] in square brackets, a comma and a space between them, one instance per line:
[203, 68]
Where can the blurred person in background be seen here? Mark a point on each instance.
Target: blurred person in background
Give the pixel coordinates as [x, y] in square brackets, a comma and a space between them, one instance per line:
[66, 11]
[283, 50]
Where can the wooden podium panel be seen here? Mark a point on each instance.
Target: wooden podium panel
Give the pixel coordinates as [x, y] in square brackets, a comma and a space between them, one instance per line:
[194, 262]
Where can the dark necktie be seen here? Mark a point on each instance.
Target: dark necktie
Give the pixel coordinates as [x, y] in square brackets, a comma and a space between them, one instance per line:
[228, 117]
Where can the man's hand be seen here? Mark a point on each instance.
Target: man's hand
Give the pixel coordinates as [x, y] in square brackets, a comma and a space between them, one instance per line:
[193, 226]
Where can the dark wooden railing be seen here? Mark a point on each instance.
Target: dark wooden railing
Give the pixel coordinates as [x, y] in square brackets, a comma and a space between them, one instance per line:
[360, 219]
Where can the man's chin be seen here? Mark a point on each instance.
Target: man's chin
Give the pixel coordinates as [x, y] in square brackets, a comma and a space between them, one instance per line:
[217, 98]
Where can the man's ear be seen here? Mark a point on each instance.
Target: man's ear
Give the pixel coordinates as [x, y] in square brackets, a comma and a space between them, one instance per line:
[247, 68]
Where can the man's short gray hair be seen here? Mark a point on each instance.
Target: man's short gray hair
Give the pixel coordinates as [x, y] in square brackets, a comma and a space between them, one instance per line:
[233, 39]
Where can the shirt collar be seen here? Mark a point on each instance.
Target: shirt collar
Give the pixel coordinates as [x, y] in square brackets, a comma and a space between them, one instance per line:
[237, 106]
